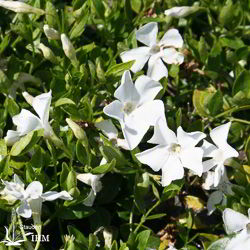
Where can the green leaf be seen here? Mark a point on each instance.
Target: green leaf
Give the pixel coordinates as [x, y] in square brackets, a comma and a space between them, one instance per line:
[64, 175]
[12, 107]
[142, 239]
[118, 69]
[79, 236]
[111, 153]
[231, 42]
[242, 84]
[99, 7]
[71, 180]
[81, 153]
[199, 100]
[25, 143]
[79, 27]
[63, 101]
[51, 14]
[215, 103]
[92, 242]
[103, 169]
[4, 166]
[3, 147]
[75, 212]
[172, 190]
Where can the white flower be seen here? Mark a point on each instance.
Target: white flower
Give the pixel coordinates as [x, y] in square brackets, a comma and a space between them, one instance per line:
[136, 109]
[27, 122]
[20, 7]
[173, 153]
[219, 152]
[13, 242]
[32, 197]
[236, 222]
[181, 11]
[51, 33]
[93, 181]
[108, 128]
[155, 51]
[219, 196]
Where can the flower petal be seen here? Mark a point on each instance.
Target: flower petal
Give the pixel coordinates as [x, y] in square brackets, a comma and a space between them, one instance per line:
[18, 181]
[41, 105]
[219, 134]
[114, 110]
[240, 241]
[214, 199]
[208, 164]
[89, 201]
[209, 149]
[155, 157]
[34, 190]
[171, 56]
[218, 173]
[173, 170]
[12, 137]
[191, 158]
[24, 209]
[234, 221]
[209, 181]
[26, 122]
[127, 91]
[134, 130]
[147, 34]
[149, 113]
[108, 128]
[229, 152]
[147, 88]
[156, 68]
[162, 134]
[140, 55]
[172, 38]
[187, 140]
[52, 195]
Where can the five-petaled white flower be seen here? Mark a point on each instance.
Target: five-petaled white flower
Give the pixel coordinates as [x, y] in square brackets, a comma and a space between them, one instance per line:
[109, 129]
[173, 152]
[32, 197]
[93, 181]
[236, 222]
[27, 122]
[136, 109]
[219, 196]
[219, 152]
[155, 51]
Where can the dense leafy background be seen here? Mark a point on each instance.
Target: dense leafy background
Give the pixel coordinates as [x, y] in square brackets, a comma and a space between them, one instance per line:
[210, 88]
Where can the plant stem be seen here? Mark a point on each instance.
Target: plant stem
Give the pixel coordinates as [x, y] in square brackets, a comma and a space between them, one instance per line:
[144, 217]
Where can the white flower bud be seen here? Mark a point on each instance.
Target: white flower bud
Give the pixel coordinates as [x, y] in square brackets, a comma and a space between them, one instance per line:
[20, 7]
[28, 98]
[77, 130]
[51, 33]
[68, 48]
[48, 53]
[182, 11]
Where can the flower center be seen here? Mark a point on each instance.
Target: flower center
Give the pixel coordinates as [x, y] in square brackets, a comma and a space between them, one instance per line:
[128, 107]
[175, 148]
[155, 49]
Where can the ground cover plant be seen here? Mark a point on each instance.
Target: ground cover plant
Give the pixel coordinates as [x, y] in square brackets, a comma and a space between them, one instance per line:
[125, 124]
